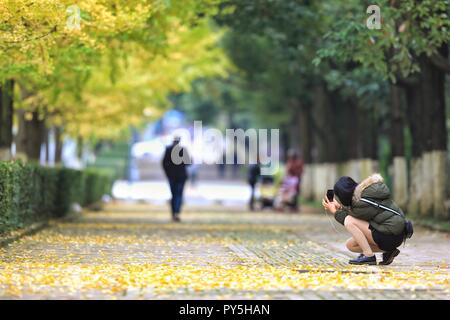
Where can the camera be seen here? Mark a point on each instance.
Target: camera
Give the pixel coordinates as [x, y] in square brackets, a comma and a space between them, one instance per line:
[330, 194]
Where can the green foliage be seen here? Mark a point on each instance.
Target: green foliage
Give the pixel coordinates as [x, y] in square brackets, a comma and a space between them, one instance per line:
[125, 57]
[273, 43]
[112, 159]
[70, 190]
[30, 193]
[385, 155]
[409, 29]
[22, 200]
[97, 183]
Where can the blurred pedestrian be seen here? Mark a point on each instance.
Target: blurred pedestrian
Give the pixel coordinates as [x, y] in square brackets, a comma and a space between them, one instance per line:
[294, 169]
[287, 193]
[176, 159]
[221, 166]
[235, 165]
[254, 173]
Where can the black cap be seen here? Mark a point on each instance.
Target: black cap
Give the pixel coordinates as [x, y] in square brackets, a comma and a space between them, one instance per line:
[344, 189]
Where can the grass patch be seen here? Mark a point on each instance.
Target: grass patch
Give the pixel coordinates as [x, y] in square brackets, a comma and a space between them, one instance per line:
[433, 224]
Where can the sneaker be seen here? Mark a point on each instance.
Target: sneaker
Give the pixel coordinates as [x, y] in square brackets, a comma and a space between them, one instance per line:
[360, 256]
[389, 256]
[176, 219]
[362, 259]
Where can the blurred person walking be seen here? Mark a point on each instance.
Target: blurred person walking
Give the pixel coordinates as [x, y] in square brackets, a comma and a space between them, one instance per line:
[254, 173]
[221, 166]
[294, 168]
[176, 173]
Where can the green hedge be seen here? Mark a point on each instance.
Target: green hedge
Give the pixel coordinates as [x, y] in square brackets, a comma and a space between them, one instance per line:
[97, 183]
[30, 193]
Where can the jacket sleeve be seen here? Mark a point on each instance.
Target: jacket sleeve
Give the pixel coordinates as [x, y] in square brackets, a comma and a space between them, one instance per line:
[340, 216]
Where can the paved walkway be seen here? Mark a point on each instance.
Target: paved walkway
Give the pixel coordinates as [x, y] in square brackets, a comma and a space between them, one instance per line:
[132, 251]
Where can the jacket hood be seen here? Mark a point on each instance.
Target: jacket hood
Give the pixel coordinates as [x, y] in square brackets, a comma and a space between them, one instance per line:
[372, 187]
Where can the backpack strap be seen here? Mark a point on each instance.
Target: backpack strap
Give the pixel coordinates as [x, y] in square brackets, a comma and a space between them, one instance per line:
[376, 204]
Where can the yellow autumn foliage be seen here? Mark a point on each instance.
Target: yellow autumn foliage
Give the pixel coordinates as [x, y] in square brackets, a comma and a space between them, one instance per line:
[96, 72]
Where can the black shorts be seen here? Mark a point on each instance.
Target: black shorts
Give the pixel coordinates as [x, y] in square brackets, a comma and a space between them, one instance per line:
[386, 242]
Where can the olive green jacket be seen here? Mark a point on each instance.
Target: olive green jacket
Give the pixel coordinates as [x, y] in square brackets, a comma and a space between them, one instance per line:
[374, 188]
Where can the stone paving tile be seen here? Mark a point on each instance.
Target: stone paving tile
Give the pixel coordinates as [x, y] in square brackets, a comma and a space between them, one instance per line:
[129, 235]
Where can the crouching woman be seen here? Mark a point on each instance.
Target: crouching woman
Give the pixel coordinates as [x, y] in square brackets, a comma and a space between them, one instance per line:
[373, 229]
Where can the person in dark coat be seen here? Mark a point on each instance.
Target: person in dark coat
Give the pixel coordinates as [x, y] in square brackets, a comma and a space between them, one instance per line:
[254, 173]
[176, 159]
[373, 229]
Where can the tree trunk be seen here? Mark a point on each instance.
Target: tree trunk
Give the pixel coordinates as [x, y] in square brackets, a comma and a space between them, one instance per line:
[400, 179]
[427, 119]
[31, 133]
[306, 143]
[368, 137]
[397, 122]
[352, 132]
[294, 130]
[352, 140]
[6, 118]
[321, 120]
[21, 137]
[284, 145]
[47, 145]
[80, 148]
[415, 115]
[437, 145]
[325, 147]
[58, 144]
[306, 133]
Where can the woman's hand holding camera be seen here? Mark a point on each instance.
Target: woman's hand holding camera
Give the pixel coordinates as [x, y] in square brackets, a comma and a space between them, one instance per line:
[330, 206]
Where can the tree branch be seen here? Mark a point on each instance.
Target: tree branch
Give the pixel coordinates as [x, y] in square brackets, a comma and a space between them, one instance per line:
[407, 81]
[54, 29]
[440, 62]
